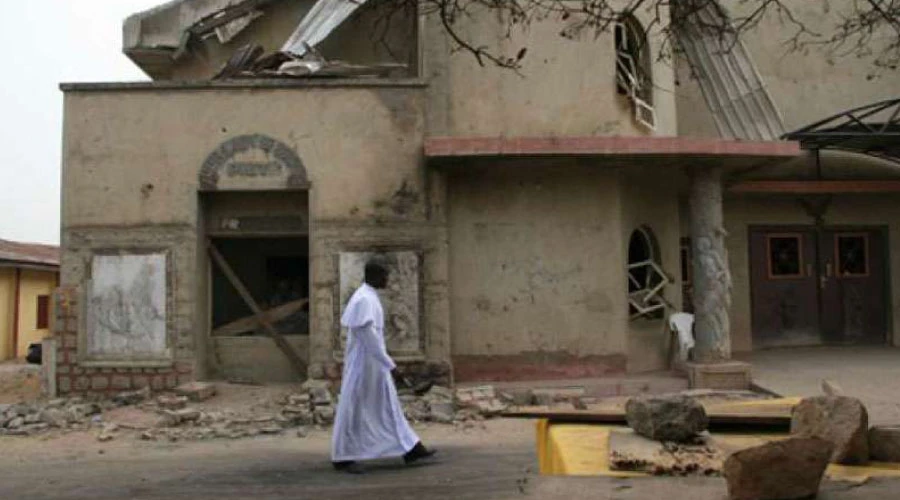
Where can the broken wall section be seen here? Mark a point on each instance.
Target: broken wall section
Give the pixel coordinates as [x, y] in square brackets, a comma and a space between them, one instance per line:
[377, 33]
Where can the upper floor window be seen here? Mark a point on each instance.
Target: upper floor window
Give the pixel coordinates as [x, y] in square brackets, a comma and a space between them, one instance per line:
[633, 69]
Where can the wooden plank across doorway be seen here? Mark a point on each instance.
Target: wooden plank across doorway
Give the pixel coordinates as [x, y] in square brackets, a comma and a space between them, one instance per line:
[263, 319]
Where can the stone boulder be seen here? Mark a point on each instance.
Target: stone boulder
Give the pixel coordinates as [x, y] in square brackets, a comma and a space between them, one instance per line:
[884, 443]
[839, 419]
[780, 470]
[666, 418]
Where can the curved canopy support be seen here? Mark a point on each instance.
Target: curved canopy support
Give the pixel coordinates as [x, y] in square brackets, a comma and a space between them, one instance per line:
[873, 129]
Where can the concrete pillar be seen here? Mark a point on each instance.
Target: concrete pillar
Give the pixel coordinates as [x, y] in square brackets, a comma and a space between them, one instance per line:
[712, 367]
[711, 277]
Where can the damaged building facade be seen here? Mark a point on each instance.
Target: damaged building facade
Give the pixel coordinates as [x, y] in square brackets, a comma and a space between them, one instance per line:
[540, 225]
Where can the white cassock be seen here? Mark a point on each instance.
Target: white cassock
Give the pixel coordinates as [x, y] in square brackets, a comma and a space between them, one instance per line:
[370, 422]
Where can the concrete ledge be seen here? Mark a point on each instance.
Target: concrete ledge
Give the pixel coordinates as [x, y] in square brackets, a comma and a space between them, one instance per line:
[249, 83]
[730, 375]
[452, 147]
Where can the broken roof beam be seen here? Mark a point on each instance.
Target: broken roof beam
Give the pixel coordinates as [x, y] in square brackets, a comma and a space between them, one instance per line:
[324, 17]
[156, 37]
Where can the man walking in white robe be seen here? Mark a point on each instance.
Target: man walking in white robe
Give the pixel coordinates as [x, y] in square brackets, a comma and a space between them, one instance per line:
[370, 423]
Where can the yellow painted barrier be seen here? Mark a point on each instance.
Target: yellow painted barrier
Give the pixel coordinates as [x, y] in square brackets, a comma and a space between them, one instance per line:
[583, 450]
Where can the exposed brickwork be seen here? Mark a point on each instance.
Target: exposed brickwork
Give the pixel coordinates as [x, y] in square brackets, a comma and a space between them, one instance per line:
[73, 379]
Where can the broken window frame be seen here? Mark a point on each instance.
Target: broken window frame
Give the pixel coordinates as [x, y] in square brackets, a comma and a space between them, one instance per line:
[633, 70]
[647, 300]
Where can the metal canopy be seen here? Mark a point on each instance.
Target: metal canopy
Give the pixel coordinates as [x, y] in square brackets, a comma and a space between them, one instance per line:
[873, 129]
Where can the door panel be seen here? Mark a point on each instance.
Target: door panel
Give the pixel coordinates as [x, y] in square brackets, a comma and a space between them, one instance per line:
[853, 286]
[785, 309]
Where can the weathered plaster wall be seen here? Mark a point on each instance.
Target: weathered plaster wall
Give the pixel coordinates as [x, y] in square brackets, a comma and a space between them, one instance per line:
[564, 88]
[7, 301]
[131, 162]
[806, 86]
[360, 40]
[650, 198]
[536, 286]
[34, 283]
[742, 212]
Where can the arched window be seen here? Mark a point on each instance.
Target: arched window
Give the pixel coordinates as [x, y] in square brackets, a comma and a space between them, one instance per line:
[646, 278]
[633, 69]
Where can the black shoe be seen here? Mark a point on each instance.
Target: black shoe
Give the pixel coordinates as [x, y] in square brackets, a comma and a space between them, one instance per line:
[419, 452]
[349, 467]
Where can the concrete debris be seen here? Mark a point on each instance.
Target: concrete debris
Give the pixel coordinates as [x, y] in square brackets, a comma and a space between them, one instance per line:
[884, 443]
[629, 451]
[841, 420]
[132, 397]
[787, 469]
[172, 402]
[171, 417]
[522, 397]
[831, 388]
[324, 415]
[196, 391]
[666, 418]
[482, 399]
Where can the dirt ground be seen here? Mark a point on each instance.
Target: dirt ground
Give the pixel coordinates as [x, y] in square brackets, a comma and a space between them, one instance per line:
[19, 381]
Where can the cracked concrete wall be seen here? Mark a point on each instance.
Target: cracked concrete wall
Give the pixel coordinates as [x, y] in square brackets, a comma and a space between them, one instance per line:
[565, 87]
[806, 86]
[131, 161]
[536, 270]
[650, 198]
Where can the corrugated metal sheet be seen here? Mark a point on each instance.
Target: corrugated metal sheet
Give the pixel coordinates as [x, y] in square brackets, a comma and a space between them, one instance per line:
[731, 85]
[322, 19]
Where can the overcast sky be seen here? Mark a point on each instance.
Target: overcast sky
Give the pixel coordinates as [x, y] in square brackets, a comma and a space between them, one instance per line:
[47, 42]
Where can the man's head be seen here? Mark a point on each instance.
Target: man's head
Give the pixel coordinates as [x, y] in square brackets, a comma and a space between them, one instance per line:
[376, 274]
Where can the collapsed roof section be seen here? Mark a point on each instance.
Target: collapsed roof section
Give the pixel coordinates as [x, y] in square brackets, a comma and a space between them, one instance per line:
[156, 39]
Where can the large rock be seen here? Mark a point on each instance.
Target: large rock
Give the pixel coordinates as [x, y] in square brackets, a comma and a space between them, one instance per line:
[839, 419]
[884, 443]
[666, 418]
[780, 470]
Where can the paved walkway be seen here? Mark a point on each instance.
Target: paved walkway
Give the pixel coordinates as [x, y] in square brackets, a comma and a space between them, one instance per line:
[871, 374]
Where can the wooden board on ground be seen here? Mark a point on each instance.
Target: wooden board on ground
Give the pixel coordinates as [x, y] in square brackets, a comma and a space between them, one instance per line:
[764, 413]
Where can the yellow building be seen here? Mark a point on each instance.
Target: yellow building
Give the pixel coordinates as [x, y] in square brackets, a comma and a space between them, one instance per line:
[28, 274]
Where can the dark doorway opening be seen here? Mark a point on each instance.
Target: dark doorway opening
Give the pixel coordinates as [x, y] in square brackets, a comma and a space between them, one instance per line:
[276, 273]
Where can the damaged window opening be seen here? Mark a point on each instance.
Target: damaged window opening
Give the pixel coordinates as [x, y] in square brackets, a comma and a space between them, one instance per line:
[646, 278]
[633, 69]
[276, 273]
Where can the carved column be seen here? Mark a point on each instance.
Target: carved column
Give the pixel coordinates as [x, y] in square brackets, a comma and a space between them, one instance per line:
[712, 367]
[711, 276]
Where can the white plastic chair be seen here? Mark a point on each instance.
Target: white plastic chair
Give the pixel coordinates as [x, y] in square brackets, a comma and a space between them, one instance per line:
[682, 324]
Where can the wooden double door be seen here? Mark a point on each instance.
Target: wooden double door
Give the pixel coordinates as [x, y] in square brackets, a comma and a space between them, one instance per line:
[814, 285]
